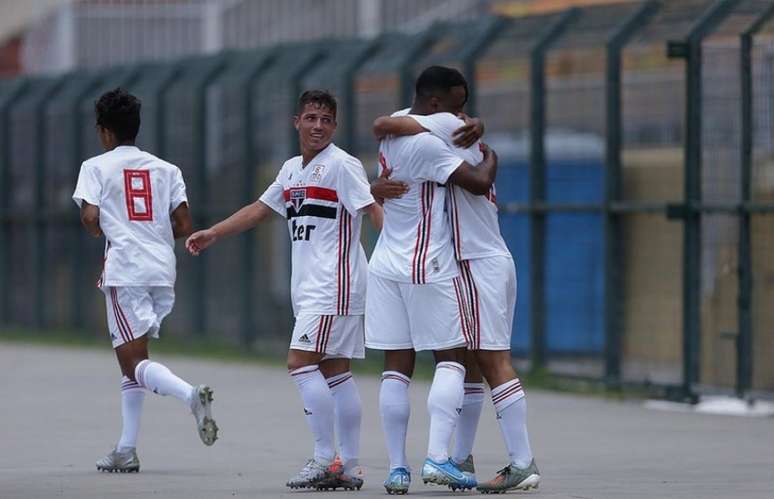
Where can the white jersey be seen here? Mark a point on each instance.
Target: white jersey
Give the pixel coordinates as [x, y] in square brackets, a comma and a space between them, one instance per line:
[473, 218]
[136, 192]
[415, 244]
[322, 203]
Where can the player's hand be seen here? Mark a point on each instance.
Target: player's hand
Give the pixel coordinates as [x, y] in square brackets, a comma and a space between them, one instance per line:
[467, 135]
[201, 240]
[488, 152]
[385, 188]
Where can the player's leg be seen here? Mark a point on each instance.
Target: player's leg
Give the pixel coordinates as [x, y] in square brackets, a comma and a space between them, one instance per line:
[345, 342]
[139, 312]
[437, 318]
[387, 329]
[498, 301]
[306, 352]
[472, 403]
[123, 457]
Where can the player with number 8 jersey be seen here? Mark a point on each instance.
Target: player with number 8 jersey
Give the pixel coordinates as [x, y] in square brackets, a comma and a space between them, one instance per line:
[129, 185]
[138, 202]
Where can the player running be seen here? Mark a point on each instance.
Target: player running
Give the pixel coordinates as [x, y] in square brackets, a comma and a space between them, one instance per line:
[323, 193]
[489, 283]
[138, 202]
[415, 299]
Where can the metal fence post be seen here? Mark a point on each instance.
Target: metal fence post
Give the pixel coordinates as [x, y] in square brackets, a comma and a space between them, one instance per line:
[691, 50]
[316, 55]
[348, 99]
[159, 116]
[76, 135]
[20, 86]
[200, 167]
[744, 363]
[406, 90]
[248, 196]
[40, 248]
[470, 54]
[537, 181]
[613, 236]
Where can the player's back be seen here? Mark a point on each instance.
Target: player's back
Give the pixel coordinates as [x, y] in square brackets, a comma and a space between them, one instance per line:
[415, 243]
[136, 193]
[473, 219]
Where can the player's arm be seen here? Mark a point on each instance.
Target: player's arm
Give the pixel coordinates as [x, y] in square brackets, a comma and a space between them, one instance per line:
[395, 125]
[90, 219]
[477, 179]
[182, 225]
[244, 219]
[376, 214]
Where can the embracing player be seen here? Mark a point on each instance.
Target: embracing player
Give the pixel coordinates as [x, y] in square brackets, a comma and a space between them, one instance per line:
[138, 202]
[489, 282]
[323, 193]
[415, 299]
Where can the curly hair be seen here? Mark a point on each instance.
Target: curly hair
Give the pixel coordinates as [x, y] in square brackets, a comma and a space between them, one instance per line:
[119, 112]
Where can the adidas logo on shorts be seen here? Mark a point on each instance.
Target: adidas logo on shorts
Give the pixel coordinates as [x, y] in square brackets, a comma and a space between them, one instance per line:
[304, 339]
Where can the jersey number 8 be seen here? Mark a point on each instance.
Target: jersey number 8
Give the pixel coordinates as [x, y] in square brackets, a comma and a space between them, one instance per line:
[139, 198]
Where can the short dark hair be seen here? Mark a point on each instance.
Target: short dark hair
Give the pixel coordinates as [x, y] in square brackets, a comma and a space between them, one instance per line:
[322, 98]
[119, 112]
[437, 80]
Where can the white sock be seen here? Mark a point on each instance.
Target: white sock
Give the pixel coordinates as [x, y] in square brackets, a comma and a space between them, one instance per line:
[468, 422]
[318, 407]
[444, 405]
[347, 409]
[159, 379]
[511, 408]
[132, 396]
[395, 409]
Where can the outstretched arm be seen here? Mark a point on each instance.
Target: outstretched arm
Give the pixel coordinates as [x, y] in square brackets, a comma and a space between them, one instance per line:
[477, 179]
[398, 125]
[244, 219]
[90, 219]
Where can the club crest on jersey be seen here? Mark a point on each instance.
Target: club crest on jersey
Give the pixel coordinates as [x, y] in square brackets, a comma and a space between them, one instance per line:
[317, 173]
[297, 197]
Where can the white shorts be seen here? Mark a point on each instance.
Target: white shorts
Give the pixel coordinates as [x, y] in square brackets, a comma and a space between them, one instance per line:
[490, 292]
[402, 316]
[134, 311]
[336, 336]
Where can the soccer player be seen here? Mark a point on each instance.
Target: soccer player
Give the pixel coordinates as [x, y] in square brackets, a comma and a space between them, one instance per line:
[489, 278]
[414, 299]
[138, 202]
[323, 193]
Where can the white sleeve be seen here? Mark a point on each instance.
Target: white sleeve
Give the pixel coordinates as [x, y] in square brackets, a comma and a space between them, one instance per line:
[443, 126]
[274, 196]
[438, 161]
[89, 186]
[353, 189]
[177, 195]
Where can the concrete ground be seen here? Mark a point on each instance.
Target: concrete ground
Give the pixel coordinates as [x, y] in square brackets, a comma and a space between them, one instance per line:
[60, 411]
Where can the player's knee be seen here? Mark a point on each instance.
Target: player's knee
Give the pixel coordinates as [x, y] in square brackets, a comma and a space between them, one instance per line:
[298, 359]
[497, 370]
